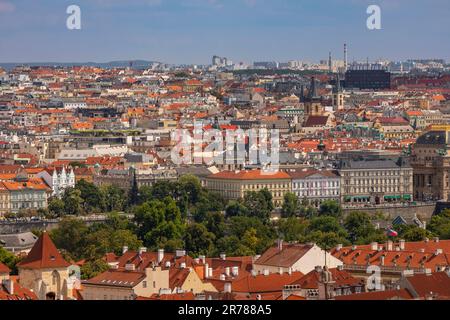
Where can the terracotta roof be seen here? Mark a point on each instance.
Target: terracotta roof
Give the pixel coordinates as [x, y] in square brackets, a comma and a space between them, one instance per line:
[435, 283]
[19, 293]
[422, 254]
[301, 174]
[289, 255]
[4, 268]
[44, 254]
[116, 278]
[316, 121]
[341, 278]
[249, 175]
[273, 282]
[176, 296]
[177, 277]
[402, 294]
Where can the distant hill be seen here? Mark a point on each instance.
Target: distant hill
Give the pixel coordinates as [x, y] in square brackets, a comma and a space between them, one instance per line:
[138, 64]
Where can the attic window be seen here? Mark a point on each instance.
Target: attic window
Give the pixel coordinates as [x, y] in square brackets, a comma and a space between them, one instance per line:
[52, 258]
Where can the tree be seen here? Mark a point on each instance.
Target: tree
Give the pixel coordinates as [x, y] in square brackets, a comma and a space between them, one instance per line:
[413, 233]
[236, 208]
[191, 187]
[290, 205]
[361, 230]
[9, 259]
[91, 196]
[72, 202]
[215, 223]
[330, 208]
[293, 229]
[440, 225]
[56, 208]
[133, 197]
[93, 268]
[71, 236]
[198, 240]
[238, 226]
[114, 198]
[158, 222]
[259, 204]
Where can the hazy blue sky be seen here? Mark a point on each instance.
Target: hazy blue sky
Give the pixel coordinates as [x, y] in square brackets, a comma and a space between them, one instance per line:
[191, 31]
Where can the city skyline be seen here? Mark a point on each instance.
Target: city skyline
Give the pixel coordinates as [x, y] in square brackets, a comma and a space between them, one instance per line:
[243, 30]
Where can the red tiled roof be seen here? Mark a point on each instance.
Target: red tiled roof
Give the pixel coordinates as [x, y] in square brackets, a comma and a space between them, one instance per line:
[19, 293]
[116, 278]
[316, 121]
[176, 296]
[4, 268]
[402, 294]
[249, 175]
[264, 284]
[435, 283]
[340, 277]
[44, 254]
[289, 255]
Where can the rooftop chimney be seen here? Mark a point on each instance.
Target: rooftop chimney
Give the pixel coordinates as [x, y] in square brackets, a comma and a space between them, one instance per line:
[206, 271]
[160, 255]
[227, 287]
[142, 250]
[203, 259]
[402, 244]
[227, 271]
[389, 246]
[235, 271]
[339, 247]
[436, 239]
[183, 265]
[223, 256]
[438, 252]
[180, 253]
[129, 267]
[124, 249]
[374, 245]
[222, 277]
[280, 245]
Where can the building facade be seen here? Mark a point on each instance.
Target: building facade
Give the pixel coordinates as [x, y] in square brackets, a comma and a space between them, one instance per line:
[430, 159]
[316, 186]
[375, 181]
[233, 185]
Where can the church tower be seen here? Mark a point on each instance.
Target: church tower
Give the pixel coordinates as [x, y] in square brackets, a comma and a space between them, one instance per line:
[338, 95]
[313, 103]
[45, 272]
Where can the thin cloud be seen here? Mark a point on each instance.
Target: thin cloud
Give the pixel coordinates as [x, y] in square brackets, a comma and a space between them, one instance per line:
[6, 7]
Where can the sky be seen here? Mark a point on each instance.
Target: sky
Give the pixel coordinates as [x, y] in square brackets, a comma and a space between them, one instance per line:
[192, 31]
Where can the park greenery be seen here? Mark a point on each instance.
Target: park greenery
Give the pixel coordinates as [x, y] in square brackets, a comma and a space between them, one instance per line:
[183, 214]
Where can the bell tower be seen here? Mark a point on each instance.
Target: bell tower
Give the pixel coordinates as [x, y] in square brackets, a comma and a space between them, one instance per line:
[313, 103]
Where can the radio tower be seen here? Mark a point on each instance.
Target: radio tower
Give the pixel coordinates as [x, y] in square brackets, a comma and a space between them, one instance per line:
[345, 58]
[330, 64]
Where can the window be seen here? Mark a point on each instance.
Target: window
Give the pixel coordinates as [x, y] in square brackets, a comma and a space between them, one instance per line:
[154, 284]
[144, 284]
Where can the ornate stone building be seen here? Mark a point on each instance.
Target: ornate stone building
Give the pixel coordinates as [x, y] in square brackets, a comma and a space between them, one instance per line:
[373, 181]
[430, 159]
